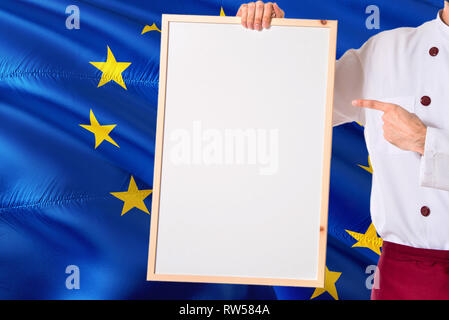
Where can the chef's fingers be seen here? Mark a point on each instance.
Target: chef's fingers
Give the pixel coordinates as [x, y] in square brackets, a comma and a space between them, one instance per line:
[251, 14]
[258, 16]
[372, 104]
[244, 14]
[279, 12]
[267, 12]
[239, 11]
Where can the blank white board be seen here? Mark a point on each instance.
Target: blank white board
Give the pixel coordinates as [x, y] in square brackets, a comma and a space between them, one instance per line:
[243, 145]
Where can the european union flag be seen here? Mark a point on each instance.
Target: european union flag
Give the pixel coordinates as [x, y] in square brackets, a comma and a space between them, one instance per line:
[78, 100]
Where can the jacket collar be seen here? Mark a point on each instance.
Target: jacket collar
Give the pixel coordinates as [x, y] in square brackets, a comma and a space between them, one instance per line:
[443, 26]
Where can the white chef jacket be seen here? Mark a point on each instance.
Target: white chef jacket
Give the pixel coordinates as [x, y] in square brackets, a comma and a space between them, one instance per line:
[408, 67]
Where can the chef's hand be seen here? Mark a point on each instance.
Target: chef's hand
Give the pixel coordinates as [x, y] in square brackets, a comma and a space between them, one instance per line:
[258, 15]
[401, 128]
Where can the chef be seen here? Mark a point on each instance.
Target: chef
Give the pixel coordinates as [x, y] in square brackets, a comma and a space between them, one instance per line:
[396, 86]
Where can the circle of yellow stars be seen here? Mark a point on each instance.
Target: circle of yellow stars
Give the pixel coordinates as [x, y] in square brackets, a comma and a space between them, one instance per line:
[112, 71]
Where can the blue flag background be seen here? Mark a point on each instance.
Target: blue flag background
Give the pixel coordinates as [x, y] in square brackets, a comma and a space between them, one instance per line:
[56, 206]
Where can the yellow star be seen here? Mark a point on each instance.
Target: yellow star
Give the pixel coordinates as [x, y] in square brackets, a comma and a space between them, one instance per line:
[330, 278]
[369, 169]
[148, 28]
[112, 70]
[133, 198]
[222, 14]
[101, 132]
[369, 239]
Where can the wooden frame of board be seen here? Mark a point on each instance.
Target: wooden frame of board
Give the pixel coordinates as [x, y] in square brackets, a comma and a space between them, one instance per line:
[319, 282]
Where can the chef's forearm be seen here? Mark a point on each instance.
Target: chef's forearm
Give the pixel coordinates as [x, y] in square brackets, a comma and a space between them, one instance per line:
[434, 169]
[349, 79]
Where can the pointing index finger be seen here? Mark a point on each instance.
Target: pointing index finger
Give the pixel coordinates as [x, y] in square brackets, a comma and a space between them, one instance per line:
[372, 104]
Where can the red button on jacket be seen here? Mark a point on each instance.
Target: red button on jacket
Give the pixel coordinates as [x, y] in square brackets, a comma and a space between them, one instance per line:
[425, 101]
[433, 51]
[425, 211]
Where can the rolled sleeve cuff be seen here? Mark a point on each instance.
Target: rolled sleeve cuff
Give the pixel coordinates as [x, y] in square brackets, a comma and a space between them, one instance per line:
[434, 167]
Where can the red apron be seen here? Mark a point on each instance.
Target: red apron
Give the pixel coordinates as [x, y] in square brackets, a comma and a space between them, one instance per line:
[407, 273]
